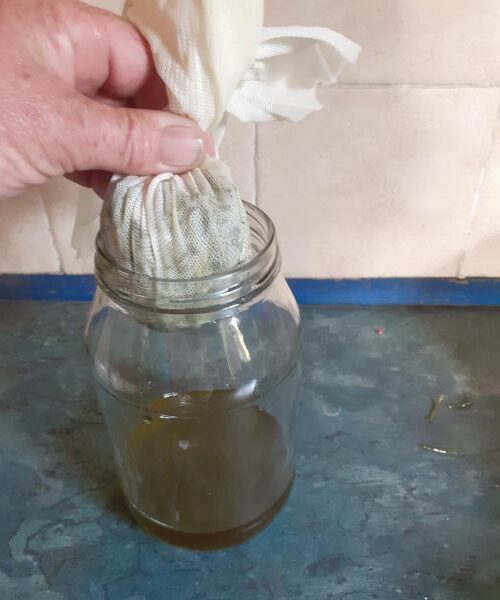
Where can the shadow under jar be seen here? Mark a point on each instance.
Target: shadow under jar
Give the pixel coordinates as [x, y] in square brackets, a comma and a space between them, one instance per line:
[197, 382]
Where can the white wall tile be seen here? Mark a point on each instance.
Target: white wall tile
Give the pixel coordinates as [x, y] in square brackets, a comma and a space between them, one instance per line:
[60, 200]
[379, 184]
[26, 243]
[408, 41]
[113, 5]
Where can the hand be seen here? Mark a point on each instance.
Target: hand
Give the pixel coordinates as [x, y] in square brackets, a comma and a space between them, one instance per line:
[72, 77]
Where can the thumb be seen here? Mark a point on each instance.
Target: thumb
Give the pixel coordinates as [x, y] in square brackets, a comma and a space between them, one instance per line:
[136, 142]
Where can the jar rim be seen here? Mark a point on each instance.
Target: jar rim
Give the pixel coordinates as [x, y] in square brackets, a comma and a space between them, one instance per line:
[271, 237]
[219, 289]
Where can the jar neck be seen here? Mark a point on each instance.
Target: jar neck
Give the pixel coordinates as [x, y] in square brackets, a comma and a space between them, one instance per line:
[129, 289]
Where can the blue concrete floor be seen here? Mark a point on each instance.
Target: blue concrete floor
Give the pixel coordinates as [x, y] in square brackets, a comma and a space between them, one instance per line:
[374, 514]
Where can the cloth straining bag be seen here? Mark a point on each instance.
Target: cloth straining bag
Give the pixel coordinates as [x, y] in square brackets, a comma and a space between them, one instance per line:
[215, 58]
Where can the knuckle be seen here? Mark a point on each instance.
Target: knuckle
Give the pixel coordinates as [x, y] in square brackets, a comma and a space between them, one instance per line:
[137, 143]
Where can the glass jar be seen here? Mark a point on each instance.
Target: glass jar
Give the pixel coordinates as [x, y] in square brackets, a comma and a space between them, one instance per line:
[197, 382]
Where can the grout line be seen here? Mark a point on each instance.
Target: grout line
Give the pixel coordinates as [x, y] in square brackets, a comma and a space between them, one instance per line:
[470, 224]
[477, 196]
[424, 86]
[255, 167]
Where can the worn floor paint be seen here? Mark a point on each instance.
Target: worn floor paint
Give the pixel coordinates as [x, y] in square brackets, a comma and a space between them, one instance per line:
[372, 514]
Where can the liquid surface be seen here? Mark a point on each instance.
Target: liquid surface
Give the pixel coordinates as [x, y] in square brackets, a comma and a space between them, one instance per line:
[209, 481]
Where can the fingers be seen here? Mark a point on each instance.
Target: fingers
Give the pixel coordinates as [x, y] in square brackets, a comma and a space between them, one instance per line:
[99, 180]
[104, 39]
[135, 142]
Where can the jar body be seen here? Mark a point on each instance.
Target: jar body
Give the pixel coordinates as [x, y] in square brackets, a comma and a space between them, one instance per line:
[201, 411]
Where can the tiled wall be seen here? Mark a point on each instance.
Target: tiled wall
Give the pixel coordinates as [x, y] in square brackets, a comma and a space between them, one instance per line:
[398, 176]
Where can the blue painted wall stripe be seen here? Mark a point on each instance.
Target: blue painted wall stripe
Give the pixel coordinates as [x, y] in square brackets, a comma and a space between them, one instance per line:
[47, 287]
[431, 292]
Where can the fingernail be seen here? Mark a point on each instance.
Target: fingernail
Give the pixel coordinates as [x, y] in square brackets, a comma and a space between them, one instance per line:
[181, 146]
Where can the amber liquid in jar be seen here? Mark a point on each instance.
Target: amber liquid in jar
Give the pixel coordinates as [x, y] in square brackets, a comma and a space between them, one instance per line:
[211, 480]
